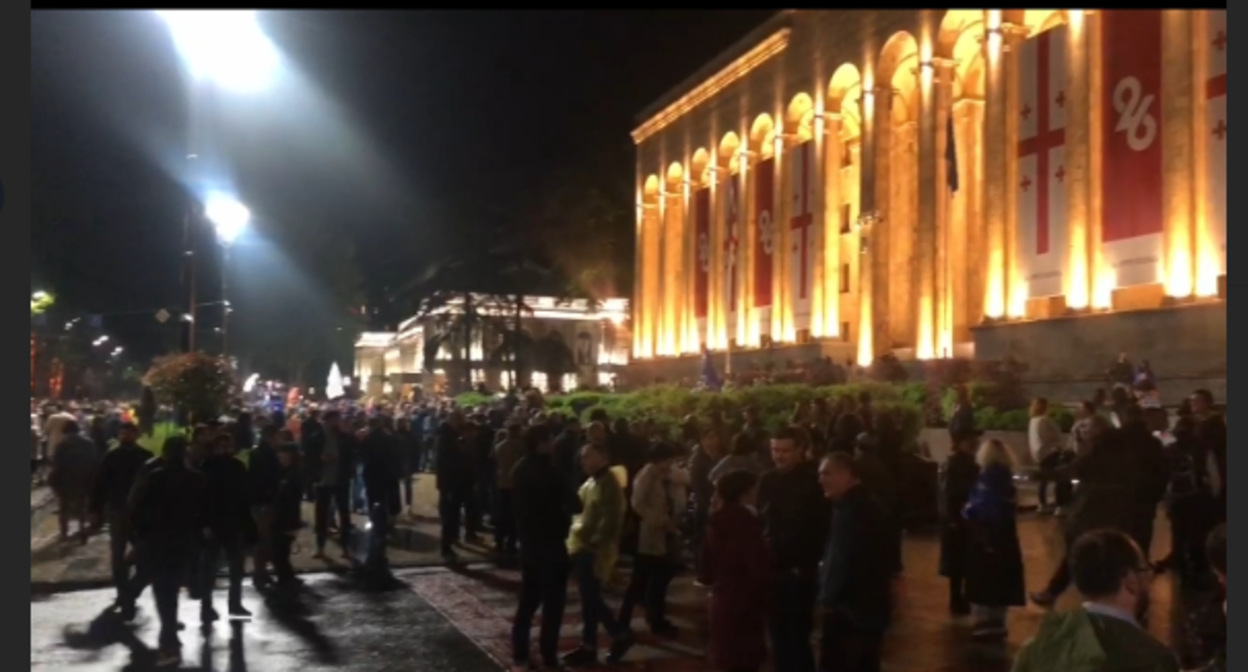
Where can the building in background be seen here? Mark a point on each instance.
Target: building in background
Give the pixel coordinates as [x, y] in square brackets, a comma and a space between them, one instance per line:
[563, 345]
[1047, 185]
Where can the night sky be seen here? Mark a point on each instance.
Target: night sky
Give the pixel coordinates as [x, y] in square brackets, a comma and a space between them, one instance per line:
[399, 130]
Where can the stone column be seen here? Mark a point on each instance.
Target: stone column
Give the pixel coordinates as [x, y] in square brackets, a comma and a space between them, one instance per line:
[830, 261]
[1015, 286]
[967, 221]
[639, 279]
[1079, 153]
[926, 251]
[878, 237]
[1179, 111]
[944, 296]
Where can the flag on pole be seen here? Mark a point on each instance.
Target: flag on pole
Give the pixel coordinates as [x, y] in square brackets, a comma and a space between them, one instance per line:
[951, 156]
[710, 377]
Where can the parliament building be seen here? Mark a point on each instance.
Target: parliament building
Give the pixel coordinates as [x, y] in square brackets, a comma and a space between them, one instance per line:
[1047, 185]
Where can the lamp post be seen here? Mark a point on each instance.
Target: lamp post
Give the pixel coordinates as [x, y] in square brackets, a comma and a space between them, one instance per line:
[229, 219]
[229, 50]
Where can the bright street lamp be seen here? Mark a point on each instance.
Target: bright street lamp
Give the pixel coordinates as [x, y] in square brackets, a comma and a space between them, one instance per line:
[226, 47]
[228, 216]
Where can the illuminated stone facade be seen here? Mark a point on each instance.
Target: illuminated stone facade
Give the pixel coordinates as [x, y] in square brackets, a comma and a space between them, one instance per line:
[851, 183]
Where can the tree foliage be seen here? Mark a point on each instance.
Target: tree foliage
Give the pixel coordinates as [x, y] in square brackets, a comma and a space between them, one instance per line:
[197, 384]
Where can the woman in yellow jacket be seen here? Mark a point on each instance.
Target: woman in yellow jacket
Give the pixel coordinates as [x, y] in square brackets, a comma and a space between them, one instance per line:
[594, 547]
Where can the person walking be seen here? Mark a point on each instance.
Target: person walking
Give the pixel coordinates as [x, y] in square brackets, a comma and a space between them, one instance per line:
[229, 520]
[544, 501]
[994, 580]
[507, 454]
[736, 565]
[264, 478]
[333, 491]
[658, 545]
[593, 547]
[110, 497]
[957, 481]
[454, 480]
[795, 516]
[74, 465]
[169, 514]
[855, 591]
[1046, 442]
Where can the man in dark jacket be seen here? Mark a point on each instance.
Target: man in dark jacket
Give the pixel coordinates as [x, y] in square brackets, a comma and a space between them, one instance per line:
[568, 449]
[287, 513]
[795, 517]
[855, 593]
[229, 520]
[545, 501]
[264, 475]
[454, 480]
[169, 514]
[110, 496]
[381, 471]
[311, 443]
[336, 468]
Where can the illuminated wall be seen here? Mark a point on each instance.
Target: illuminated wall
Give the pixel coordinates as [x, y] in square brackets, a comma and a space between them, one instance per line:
[911, 254]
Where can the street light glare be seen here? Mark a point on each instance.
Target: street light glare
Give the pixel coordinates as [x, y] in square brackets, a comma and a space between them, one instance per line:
[228, 216]
[226, 47]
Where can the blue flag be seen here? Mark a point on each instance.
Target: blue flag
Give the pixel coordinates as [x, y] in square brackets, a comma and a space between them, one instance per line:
[951, 156]
[710, 377]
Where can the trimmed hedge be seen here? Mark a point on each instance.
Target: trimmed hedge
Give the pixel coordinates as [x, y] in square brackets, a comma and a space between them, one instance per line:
[910, 403]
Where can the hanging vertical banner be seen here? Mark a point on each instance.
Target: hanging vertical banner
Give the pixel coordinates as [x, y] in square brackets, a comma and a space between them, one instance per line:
[1131, 177]
[1041, 201]
[1215, 112]
[764, 242]
[702, 271]
[732, 250]
[804, 235]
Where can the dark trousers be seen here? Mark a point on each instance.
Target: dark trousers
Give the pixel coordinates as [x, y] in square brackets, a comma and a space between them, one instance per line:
[544, 585]
[330, 500]
[792, 621]
[406, 485]
[505, 523]
[957, 592]
[379, 528]
[482, 500]
[451, 505]
[230, 546]
[118, 542]
[167, 574]
[1064, 489]
[594, 609]
[283, 544]
[648, 586]
[845, 647]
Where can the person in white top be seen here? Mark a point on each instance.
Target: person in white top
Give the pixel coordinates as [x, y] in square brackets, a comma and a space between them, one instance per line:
[1046, 443]
[54, 430]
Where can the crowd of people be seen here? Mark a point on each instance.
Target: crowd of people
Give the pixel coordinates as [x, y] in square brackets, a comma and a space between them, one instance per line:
[789, 530]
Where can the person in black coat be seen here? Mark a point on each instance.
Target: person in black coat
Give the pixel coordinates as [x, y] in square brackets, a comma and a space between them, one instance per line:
[229, 523]
[855, 593]
[545, 501]
[110, 496]
[381, 473]
[336, 456]
[168, 517]
[264, 475]
[454, 480]
[957, 480]
[795, 515]
[311, 443]
[287, 512]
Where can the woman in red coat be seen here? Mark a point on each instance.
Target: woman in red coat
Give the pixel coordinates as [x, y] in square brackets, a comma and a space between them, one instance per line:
[736, 564]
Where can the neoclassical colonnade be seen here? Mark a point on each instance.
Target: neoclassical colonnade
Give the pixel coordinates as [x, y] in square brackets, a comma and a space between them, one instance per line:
[919, 175]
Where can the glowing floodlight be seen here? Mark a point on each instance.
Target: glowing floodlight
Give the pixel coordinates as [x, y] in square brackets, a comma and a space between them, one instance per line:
[228, 217]
[226, 47]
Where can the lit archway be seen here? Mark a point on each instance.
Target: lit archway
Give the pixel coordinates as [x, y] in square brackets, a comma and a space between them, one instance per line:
[649, 251]
[700, 168]
[800, 118]
[844, 302]
[671, 329]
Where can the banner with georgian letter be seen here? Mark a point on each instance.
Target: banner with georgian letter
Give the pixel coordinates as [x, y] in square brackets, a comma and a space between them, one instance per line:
[702, 269]
[1041, 201]
[1215, 112]
[803, 233]
[764, 242]
[1131, 175]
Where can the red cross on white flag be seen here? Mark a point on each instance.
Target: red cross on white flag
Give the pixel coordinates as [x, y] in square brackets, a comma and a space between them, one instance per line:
[1042, 160]
[803, 234]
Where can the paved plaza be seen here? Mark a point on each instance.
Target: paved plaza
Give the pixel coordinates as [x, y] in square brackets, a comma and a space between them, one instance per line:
[459, 619]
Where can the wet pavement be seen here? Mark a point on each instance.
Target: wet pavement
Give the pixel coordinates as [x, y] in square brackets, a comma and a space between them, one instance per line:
[458, 620]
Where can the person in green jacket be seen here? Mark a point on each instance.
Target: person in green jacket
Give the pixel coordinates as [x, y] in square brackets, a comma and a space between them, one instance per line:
[1103, 635]
[593, 547]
